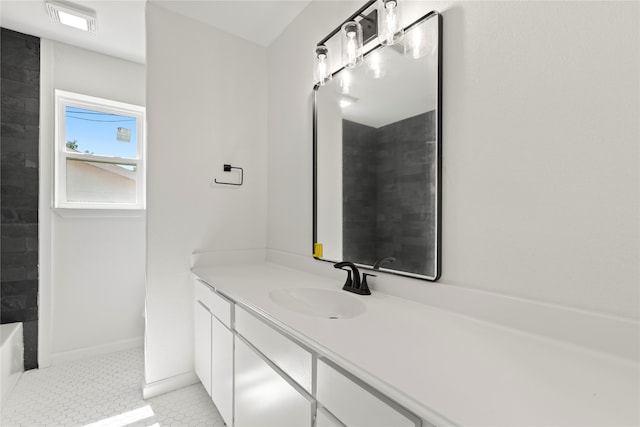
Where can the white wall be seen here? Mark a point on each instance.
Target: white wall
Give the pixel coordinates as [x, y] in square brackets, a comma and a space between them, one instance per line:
[96, 292]
[207, 103]
[329, 186]
[540, 148]
[541, 187]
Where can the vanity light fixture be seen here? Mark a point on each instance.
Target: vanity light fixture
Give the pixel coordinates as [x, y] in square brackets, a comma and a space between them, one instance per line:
[354, 38]
[321, 69]
[72, 15]
[390, 22]
[384, 21]
[351, 36]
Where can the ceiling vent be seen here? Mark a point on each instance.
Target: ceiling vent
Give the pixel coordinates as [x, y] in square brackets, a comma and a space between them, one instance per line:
[72, 15]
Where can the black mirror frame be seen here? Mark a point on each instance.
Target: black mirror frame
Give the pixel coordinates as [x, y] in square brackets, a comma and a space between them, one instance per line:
[438, 240]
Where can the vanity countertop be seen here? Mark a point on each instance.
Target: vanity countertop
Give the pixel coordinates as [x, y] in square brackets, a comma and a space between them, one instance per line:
[447, 368]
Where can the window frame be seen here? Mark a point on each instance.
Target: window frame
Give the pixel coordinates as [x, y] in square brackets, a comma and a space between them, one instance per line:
[65, 99]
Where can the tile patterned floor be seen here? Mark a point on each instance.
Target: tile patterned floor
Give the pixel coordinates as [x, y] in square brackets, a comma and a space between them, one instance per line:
[103, 392]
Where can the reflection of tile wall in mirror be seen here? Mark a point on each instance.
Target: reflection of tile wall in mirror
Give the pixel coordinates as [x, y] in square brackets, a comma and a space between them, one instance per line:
[388, 203]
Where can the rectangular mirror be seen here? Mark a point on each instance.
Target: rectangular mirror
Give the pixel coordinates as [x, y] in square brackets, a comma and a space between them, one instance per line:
[377, 157]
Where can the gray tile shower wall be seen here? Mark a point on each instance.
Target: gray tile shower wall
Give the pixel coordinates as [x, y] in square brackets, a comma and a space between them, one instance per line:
[388, 167]
[359, 192]
[19, 139]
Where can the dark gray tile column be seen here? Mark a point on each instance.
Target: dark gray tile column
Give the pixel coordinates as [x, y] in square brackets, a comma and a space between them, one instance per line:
[19, 138]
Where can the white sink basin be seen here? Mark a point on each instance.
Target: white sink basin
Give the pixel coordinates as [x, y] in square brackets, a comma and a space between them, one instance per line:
[319, 302]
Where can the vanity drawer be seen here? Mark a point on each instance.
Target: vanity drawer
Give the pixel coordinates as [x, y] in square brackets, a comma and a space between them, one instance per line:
[354, 404]
[325, 419]
[218, 305]
[287, 355]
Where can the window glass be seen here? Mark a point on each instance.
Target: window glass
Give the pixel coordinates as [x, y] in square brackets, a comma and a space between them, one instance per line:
[100, 133]
[97, 182]
[99, 161]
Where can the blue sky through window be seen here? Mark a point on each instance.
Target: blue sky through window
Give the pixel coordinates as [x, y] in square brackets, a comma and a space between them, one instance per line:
[97, 132]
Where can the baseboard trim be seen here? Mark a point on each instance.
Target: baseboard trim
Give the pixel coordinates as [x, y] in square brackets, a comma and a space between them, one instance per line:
[166, 385]
[87, 352]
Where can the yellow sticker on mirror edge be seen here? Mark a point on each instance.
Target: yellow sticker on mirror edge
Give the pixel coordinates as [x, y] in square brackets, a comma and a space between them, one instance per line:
[317, 250]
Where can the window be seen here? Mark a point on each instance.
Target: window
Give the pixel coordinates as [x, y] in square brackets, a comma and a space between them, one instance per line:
[99, 153]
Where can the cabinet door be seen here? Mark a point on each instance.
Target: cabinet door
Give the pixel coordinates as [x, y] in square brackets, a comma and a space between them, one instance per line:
[324, 419]
[202, 345]
[295, 361]
[354, 405]
[262, 397]
[222, 370]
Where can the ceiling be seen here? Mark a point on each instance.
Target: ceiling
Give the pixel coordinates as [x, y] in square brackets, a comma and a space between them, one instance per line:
[257, 21]
[120, 26]
[121, 23]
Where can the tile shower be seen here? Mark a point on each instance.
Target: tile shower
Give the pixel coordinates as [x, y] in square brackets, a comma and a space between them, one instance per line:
[20, 90]
[379, 195]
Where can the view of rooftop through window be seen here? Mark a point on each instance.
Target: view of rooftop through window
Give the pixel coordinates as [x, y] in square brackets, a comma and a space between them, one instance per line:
[104, 134]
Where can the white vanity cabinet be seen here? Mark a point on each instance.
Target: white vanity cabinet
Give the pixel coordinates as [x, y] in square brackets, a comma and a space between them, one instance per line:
[273, 376]
[202, 344]
[355, 404]
[260, 376]
[222, 369]
[295, 361]
[325, 419]
[263, 396]
[213, 347]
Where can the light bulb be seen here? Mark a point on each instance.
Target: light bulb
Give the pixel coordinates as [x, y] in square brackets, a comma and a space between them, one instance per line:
[391, 30]
[351, 44]
[74, 21]
[322, 65]
[390, 21]
[351, 49]
[321, 70]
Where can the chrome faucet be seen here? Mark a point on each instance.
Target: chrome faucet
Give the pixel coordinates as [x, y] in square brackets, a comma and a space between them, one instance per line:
[354, 285]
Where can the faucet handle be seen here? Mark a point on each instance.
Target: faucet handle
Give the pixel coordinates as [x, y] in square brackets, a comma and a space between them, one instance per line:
[364, 286]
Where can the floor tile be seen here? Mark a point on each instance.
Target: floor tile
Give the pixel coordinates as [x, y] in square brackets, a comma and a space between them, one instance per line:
[105, 391]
